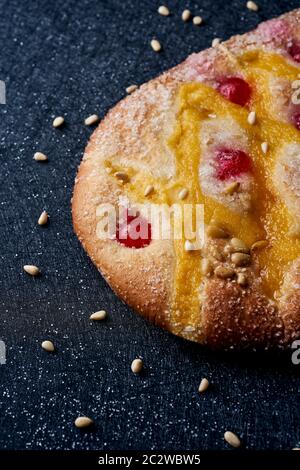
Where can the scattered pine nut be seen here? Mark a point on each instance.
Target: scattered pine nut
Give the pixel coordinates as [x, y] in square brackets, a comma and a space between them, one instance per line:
[137, 366]
[163, 10]
[252, 6]
[215, 42]
[156, 46]
[48, 346]
[265, 147]
[204, 384]
[98, 316]
[89, 121]
[197, 20]
[183, 193]
[251, 118]
[40, 157]
[232, 439]
[131, 89]
[186, 15]
[43, 218]
[149, 190]
[58, 121]
[83, 422]
[31, 269]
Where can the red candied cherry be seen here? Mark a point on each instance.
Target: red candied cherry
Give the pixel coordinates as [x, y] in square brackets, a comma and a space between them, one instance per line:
[133, 231]
[235, 89]
[231, 162]
[296, 120]
[294, 51]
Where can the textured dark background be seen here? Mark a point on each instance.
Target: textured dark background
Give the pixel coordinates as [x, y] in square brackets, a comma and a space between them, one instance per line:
[76, 58]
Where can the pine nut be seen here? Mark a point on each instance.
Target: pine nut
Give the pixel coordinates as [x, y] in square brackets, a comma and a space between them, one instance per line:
[242, 279]
[215, 42]
[238, 245]
[265, 147]
[149, 190]
[43, 218]
[232, 439]
[252, 6]
[48, 346]
[137, 366]
[40, 157]
[232, 187]
[240, 259]
[224, 273]
[83, 422]
[251, 118]
[163, 10]
[31, 269]
[98, 316]
[204, 384]
[156, 46]
[183, 193]
[197, 20]
[89, 121]
[186, 15]
[58, 121]
[131, 88]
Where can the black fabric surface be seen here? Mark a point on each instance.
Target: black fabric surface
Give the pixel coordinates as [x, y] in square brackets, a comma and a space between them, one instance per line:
[76, 58]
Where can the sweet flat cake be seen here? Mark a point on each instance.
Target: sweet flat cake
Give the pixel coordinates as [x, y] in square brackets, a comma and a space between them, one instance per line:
[220, 131]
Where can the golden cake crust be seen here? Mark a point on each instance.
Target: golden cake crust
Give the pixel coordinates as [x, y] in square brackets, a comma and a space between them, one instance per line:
[134, 133]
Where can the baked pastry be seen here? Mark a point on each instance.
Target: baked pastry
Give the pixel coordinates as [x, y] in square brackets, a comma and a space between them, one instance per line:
[221, 129]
